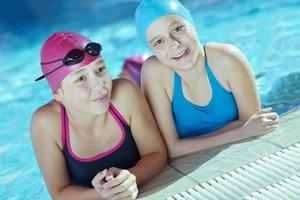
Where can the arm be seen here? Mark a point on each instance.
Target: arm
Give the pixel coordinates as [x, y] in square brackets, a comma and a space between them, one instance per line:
[44, 126]
[160, 104]
[146, 135]
[240, 79]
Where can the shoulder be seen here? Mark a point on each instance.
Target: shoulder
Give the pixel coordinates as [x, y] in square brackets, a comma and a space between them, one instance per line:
[224, 49]
[125, 97]
[157, 76]
[152, 62]
[123, 87]
[126, 92]
[228, 54]
[228, 57]
[45, 122]
[46, 113]
[153, 69]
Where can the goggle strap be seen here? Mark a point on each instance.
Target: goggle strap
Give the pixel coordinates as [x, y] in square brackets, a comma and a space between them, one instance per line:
[53, 61]
[48, 73]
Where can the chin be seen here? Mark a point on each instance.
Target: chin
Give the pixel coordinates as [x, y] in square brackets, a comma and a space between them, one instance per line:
[185, 64]
[100, 111]
[99, 108]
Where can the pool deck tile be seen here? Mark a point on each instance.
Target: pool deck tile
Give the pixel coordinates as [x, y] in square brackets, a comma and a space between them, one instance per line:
[185, 172]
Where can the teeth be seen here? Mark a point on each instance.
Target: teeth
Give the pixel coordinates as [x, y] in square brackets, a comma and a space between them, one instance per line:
[179, 55]
[185, 51]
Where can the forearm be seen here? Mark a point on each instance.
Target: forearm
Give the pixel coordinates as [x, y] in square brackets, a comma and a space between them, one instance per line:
[77, 193]
[232, 125]
[205, 143]
[148, 167]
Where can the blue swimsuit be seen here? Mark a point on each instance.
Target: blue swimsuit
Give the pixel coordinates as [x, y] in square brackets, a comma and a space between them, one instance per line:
[193, 120]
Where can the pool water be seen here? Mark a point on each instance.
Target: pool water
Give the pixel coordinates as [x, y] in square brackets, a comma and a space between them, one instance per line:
[266, 31]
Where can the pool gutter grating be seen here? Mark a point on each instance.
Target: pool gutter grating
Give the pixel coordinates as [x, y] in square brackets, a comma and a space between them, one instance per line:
[275, 176]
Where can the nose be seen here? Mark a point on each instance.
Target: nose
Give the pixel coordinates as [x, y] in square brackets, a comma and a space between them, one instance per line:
[97, 83]
[174, 41]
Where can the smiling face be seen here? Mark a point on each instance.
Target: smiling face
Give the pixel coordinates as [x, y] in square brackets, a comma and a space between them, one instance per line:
[87, 89]
[174, 41]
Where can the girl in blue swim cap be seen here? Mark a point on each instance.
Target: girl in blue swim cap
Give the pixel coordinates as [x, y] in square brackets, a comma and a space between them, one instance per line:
[202, 96]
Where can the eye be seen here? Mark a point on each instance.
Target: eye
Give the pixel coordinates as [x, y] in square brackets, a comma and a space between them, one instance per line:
[158, 42]
[178, 28]
[101, 70]
[81, 78]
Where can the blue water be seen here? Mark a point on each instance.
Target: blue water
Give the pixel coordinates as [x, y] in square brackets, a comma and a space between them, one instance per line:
[266, 31]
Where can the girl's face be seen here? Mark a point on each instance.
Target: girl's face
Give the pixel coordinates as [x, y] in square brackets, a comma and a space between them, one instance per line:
[174, 41]
[88, 89]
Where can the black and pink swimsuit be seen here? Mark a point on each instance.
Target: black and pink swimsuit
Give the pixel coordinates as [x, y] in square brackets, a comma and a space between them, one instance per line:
[123, 155]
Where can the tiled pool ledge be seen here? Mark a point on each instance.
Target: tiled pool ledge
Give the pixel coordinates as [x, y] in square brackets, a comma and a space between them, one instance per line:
[185, 173]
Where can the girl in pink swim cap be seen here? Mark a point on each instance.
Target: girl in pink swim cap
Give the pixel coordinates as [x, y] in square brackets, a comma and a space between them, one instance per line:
[97, 138]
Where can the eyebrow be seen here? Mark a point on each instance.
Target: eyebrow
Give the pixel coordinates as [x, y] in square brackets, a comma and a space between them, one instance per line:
[154, 39]
[100, 61]
[172, 24]
[78, 72]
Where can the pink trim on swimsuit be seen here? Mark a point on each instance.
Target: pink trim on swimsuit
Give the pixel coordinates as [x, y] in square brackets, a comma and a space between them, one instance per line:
[62, 118]
[117, 112]
[102, 154]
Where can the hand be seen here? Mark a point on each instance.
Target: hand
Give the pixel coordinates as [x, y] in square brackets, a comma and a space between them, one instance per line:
[260, 123]
[115, 184]
[98, 182]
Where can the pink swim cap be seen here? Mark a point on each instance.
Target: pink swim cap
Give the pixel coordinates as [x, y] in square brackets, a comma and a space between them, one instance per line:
[133, 66]
[57, 46]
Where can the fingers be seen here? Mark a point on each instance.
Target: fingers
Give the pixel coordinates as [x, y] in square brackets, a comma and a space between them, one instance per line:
[96, 182]
[271, 128]
[114, 171]
[134, 195]
[125, 186]
[272, 122]
[271, 118]
[109, 178]
[272, 115]
[121, 187]
[124, 174]
[129, 193]
[265, 110]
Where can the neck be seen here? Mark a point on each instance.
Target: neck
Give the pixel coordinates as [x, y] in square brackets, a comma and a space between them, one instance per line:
[195, 73]
[85, 121]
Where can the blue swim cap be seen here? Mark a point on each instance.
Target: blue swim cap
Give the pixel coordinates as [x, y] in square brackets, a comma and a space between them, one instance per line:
[150, 10]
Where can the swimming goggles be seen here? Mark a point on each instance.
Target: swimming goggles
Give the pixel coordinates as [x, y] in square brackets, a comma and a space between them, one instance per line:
[75, 56]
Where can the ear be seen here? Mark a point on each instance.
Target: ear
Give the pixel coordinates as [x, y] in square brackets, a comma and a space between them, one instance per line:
[58, 95]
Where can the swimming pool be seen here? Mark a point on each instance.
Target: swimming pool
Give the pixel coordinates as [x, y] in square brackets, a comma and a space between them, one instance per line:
[265, 30]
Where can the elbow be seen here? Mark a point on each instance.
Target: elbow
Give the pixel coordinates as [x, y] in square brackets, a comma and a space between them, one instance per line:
[163, 158]
[162, 155]
[160, 159]
[55, 196]
[173, 151]
[164, 162]
[173, 154]
[58, 194]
